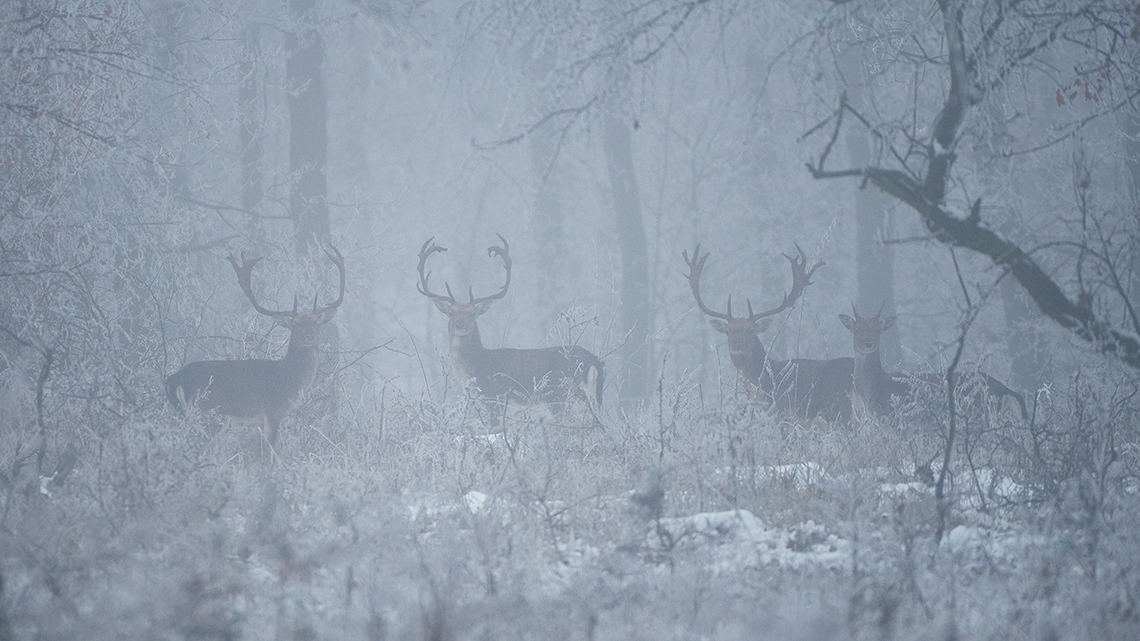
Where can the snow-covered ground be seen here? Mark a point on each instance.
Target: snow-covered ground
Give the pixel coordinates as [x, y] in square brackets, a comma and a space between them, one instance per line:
[438, 531]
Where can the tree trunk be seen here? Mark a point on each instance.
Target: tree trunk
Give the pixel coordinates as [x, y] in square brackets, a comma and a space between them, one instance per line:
[1027, 356]
[548, 222]
[1130, 125]
[874, 261]
[308, 135]
[634, 259]
[252, 188]
[308, 162]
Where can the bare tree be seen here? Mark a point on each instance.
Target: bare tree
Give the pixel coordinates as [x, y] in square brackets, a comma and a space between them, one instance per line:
[982, 44]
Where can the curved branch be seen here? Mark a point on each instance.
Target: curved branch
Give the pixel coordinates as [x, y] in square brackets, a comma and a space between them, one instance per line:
[1048, 295]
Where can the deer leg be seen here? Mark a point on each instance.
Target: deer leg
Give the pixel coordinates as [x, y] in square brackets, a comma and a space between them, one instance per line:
[273, 419]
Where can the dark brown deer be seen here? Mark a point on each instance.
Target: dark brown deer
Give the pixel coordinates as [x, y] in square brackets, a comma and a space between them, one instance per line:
[259, 388]
[807, 387]
[874, 387]
[545, 375]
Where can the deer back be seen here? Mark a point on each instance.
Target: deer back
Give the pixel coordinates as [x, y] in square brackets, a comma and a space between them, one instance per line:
[547, 374]
[244, 388]
[811, 388]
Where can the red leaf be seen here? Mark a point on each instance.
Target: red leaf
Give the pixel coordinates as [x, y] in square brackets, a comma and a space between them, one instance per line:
[1060, 98]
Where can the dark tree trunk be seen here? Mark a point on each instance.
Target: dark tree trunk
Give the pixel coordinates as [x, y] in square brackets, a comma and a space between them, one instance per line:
[308, 135]
[874, 261]
[548, 223]
[308, 162]
[634, 258]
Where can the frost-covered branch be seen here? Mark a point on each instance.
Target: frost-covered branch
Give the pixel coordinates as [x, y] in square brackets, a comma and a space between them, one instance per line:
[926, 197]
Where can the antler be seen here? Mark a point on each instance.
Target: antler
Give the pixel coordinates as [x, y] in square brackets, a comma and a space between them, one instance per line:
[422, 286]
[504, 253]
[244, 270]
[800, 280]
[696, 265]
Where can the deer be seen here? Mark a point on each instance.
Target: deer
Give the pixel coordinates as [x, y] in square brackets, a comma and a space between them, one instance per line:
[545, 375]
[806, 387]
[259, 388]
[874, 387]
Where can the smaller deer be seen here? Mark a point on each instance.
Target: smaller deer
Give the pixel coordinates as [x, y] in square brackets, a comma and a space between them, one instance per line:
[259, 388]
[807, 387]
[874, 387]
[527, 376]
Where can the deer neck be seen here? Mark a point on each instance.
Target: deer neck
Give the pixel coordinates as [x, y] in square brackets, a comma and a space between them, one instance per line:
[300, 361]
[751, 362]
[870, 379]
[465, 351]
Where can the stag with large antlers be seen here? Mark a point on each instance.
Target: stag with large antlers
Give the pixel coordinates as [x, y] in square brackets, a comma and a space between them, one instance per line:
[527, 376]
[259, 388]
[806, 387]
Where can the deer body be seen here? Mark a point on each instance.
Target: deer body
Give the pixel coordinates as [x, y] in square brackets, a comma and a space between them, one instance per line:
[802, 386]
[817, 387]
[489, 370]
[806, 387]
[975, 389]
[258, 388]
[245, 388]
[874, 387]
[527, 376]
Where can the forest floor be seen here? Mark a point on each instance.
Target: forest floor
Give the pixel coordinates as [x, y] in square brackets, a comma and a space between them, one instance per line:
[414, 520]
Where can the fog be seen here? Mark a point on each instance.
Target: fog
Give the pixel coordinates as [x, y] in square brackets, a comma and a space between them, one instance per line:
[959, 179]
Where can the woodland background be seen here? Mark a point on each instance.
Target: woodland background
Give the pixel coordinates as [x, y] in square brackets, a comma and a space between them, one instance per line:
[901, 142]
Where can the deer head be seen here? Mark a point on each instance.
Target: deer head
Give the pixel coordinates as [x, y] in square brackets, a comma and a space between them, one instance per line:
[462, 315]
[866, 329]
[744, 332]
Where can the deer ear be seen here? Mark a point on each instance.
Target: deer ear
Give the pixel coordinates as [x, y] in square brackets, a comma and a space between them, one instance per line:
[442, 305]
[762, 324]
[482, 306]
[886, 323]
[849, 322]
[719, 325]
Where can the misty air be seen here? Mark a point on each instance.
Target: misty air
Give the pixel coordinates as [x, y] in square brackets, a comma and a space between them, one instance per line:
[603, 320]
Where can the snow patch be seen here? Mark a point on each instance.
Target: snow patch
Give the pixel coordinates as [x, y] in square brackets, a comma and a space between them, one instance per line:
[475, 501]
